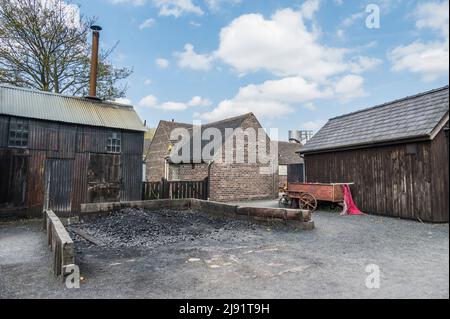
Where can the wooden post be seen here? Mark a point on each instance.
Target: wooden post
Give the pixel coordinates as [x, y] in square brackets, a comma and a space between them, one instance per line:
[206, 188]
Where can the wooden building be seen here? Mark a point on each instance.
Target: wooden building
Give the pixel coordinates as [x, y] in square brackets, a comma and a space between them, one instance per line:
[396, 154]
[58, 152]
[228, 181]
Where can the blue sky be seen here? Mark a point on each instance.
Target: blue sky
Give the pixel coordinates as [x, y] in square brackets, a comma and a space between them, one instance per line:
[295, 64]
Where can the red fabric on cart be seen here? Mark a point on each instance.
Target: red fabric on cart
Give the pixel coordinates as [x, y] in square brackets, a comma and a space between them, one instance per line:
[352, 209]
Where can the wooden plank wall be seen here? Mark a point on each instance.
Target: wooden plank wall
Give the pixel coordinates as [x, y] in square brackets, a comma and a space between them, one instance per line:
[388, 180]
[440, 176]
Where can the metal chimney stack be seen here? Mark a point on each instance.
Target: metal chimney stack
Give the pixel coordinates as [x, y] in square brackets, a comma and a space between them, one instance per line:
[94, 61]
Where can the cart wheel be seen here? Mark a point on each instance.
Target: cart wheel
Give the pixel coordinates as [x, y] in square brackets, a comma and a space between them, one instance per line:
[308, 202]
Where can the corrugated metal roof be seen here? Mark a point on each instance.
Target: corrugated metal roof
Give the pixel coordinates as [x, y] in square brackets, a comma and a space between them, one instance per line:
[412, 117]
[33, 104]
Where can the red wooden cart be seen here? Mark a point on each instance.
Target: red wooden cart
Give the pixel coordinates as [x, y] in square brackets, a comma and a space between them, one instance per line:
[307, 195]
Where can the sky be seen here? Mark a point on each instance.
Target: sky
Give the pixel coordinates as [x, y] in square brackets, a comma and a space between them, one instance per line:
[294, 64]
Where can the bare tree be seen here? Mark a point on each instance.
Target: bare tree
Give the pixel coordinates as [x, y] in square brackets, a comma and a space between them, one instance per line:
[44, 45]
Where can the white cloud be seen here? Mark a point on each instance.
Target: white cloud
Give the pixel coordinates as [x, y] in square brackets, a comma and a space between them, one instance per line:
[199, 101]
[430, 60]
[216, 5]
[309, 8]
[151, 101]
[147, 24]
[132, 2]
[195, 24]
[282, 45]
[362, 64]
[172, 106]
[123, 101]
[347, 22]
[189, 59]
[71, 11]
[276, 98]
[177, 8]
[148, 81]
[148, 101]
[350, 87]
[234, 107]
[427, 59]
[162, 63]
[433, 15]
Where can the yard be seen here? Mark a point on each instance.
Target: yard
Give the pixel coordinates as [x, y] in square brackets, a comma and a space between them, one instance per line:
[169, 254]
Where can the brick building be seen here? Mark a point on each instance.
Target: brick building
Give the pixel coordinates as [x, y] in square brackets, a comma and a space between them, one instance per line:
[227, 181]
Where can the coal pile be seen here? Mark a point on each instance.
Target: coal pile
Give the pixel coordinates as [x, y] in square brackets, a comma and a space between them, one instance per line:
[140, 228]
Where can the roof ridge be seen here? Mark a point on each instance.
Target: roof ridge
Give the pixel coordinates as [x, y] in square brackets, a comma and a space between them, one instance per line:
[19, 88]
[392, 102]
[243, 116]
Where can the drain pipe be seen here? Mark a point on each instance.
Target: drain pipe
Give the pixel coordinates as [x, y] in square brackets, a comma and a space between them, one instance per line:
[210, 163]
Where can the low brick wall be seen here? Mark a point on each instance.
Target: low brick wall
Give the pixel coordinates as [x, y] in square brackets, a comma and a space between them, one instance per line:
[59, 242]
[294, 217]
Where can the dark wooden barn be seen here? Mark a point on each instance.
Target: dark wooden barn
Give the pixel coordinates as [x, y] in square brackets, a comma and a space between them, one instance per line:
[396, 154]
[58, 152]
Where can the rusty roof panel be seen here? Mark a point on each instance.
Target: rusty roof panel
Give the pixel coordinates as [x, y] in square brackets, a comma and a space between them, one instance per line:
[28, 103]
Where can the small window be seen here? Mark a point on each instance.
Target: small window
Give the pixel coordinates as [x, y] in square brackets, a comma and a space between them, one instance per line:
[18, 133]
[114, 144]
[411, 149]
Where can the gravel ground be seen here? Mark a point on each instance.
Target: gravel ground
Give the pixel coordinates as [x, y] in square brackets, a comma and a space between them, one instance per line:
[168, 254]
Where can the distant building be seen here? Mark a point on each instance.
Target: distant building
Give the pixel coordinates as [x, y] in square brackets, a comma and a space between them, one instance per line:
[396, 154]
[291, 165]
[227, 181]
[58, 152]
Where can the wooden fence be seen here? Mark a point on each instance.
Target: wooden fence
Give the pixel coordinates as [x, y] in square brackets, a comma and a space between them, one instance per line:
[59, 242]
[165, 189]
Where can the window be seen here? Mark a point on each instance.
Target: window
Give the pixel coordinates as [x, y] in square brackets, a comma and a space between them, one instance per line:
[18, 133]
[114, 144]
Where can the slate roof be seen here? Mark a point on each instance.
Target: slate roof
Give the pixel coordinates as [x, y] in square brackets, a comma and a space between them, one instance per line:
[20, 102]
[413, 117]
[287, 153]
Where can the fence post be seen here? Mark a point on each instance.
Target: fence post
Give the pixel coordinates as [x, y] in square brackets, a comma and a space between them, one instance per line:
[165, 188]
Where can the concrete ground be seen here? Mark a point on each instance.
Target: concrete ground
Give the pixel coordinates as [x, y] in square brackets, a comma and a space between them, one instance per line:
[223, 259]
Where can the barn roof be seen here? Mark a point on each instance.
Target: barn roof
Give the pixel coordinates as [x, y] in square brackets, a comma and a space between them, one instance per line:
[15, 101]
[414, 117]
[287, 153]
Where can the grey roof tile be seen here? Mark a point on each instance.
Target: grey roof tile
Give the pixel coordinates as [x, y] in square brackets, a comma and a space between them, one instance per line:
[414, 116]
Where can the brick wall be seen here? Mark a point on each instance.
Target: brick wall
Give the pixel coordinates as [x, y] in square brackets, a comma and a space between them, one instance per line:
[241, 182]
[188, 172]
[158, 151]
